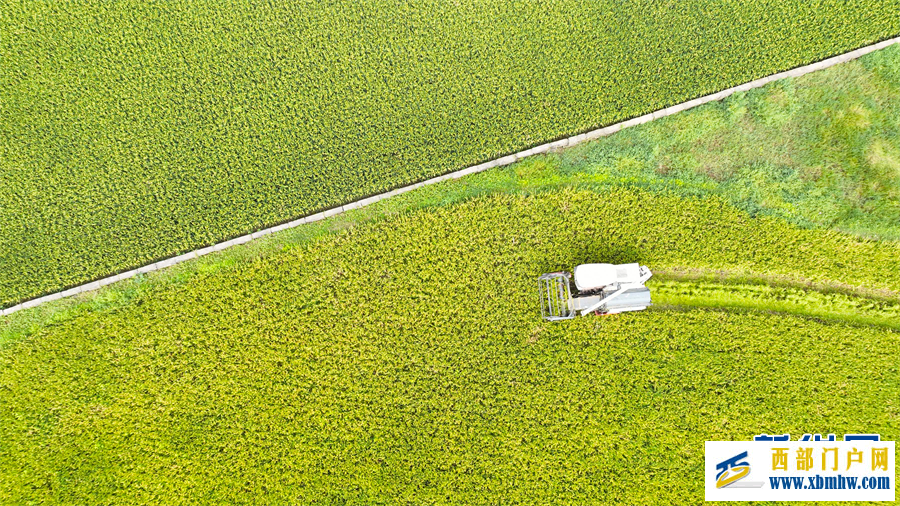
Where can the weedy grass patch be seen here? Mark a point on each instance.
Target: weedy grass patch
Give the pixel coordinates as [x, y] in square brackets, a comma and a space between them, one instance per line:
[821, 150]
[404, 359]
[133, 131]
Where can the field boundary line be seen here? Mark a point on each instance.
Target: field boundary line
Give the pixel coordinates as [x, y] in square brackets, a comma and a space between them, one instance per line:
[497, 162]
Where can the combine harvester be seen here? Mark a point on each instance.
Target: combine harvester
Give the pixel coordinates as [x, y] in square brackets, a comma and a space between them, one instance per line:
[602, 289]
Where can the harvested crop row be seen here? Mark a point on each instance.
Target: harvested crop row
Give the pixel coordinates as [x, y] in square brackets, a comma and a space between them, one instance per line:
[784, 299]
[134, 130]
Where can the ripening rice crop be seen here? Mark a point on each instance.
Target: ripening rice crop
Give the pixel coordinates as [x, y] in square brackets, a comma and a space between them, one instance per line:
[135, 130]
[405, 360]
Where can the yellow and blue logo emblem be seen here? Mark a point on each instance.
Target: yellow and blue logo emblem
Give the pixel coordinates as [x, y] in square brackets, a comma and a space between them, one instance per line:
[732, 470]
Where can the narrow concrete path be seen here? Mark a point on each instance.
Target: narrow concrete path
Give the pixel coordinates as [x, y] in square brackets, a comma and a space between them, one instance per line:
[506, 160]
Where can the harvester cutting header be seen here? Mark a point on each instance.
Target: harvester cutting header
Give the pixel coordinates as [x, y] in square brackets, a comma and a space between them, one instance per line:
[601, 289]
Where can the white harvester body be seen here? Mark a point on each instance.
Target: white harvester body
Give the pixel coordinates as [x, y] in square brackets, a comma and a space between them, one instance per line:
[601, 288]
